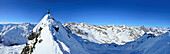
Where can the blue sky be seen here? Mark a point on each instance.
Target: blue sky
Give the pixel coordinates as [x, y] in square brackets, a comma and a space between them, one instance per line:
[151, 13]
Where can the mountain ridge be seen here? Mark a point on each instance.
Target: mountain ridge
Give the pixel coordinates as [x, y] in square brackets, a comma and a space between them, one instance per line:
[51, 36]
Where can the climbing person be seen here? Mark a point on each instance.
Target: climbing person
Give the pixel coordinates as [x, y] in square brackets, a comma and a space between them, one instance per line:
[48, 11]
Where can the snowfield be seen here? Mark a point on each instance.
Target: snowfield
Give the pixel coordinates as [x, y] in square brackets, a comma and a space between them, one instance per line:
[111, 33]
[14, 34]
[49, 36]
[11, 49]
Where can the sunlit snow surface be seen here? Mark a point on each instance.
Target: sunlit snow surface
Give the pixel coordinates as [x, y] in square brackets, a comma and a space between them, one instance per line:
[84, 39]
[111, 33]
[54, 42]
[15, 33]
[11, 49]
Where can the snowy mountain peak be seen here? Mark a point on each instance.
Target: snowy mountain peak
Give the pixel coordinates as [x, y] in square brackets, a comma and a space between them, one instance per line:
[50, 37]
[46, 17]
[46, 21]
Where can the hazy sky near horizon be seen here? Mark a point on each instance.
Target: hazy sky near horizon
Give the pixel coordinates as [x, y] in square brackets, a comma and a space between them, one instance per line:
[151, 13]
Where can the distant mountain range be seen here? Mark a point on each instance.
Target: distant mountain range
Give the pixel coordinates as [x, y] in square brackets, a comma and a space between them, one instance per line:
[50, 36]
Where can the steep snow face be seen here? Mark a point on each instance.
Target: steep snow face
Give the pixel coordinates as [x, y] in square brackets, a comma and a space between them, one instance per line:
[105, 34]
[44, 22]
[48, 45]
[50, 37]
[15, 33]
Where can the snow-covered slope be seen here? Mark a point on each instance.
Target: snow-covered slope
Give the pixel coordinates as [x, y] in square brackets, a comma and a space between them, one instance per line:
[15, 33]
[146, 44]
[151, 44]
[110, 33]
[16, 49]
[14, 36]
[156, 30]
[50, 37]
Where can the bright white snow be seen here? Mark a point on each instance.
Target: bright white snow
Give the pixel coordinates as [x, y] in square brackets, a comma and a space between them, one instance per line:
[83, 38]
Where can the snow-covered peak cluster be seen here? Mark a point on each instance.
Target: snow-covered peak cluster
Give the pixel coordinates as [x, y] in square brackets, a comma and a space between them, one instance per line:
[105, 34]
[49, 36]
[155, 30]
[11, 34]
[111, 33]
